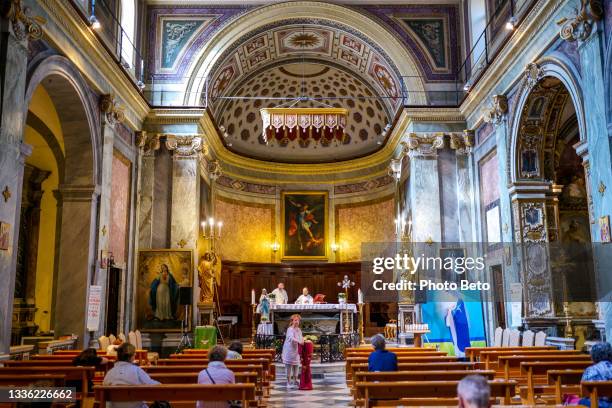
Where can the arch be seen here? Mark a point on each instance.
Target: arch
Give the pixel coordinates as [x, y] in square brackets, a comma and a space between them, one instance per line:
[549, 67]
[214, 51]
[77, 195]
[80, 119]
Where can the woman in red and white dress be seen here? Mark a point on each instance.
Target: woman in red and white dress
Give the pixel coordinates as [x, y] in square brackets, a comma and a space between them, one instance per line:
[290, 356]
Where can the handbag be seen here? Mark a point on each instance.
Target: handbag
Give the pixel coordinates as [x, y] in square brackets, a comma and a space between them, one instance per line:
[230, 403]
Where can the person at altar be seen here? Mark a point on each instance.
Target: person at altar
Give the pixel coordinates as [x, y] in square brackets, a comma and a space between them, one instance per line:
[305, 298]
[263, 308]
[280, 294]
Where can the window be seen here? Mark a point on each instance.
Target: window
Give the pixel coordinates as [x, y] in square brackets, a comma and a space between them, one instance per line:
[128, 24]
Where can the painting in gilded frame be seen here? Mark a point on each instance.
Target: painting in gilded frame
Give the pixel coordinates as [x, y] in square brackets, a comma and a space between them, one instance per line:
[161, 273]
[304, 225]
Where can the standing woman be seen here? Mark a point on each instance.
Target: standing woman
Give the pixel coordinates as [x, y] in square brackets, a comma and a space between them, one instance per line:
[291, 357]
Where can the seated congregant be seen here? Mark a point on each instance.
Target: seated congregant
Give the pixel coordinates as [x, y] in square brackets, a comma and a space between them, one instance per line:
[216, 373]
[473, 391]
[87, 358]
[381, 359]
[111, 350]
[601, 370]
[234, 351]
[125, 372]
[305, 298]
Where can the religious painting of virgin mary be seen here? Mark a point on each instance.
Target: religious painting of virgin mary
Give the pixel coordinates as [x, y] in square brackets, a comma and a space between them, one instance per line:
[161, 273]
[304, 225]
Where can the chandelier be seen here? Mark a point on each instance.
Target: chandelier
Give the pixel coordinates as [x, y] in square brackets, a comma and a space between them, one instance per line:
[321, 125]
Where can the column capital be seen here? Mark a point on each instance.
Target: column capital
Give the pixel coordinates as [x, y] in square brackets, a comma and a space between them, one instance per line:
[24, 26]
[462, 142]
[113, 110]
[532, 75]
[423, 144]
[185, 146]
[578, 27]
[497, 111]
[147, 143]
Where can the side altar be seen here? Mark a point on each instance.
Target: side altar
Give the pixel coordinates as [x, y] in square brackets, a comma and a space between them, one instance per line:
[321, 318]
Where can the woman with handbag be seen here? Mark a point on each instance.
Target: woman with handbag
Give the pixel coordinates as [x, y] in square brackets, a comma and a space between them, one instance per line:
[216, 373]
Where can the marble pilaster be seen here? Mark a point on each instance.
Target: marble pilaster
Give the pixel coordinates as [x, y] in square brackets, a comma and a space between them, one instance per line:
[148, 144]
[185, 213]
[13, 58]
[464, 172]
[77, 259]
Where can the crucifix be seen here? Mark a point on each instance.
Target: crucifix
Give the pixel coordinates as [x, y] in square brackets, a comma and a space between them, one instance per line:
[346, 284]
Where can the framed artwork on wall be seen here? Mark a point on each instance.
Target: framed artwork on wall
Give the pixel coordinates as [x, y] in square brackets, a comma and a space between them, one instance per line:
[161, 274]
[304, 225]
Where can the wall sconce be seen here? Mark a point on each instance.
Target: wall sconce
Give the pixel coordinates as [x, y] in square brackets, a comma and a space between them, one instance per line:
[335, 247]
[275, 246]
[403, 229]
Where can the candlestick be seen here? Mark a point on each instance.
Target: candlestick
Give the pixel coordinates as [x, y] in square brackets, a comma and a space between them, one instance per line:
[361, 338]
[253, 329]
[252, 296]
[359, 296]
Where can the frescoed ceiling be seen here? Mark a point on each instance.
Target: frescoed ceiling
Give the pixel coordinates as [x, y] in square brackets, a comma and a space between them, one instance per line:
[241, 119]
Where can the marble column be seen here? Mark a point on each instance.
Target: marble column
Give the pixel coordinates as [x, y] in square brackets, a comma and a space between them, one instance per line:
[425, 186]
[77, 259]
[462, 144]
[185, 213]
[148, 145]
[15, 30]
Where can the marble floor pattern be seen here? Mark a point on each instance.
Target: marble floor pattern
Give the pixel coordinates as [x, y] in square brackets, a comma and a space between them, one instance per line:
[329, 390]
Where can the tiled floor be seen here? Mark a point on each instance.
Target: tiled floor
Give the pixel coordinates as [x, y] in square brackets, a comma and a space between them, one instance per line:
[329, 391]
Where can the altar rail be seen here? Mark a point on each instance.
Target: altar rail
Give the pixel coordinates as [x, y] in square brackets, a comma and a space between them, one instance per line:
[331, 346]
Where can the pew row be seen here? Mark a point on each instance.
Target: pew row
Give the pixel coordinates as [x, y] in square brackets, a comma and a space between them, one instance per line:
[595, 390]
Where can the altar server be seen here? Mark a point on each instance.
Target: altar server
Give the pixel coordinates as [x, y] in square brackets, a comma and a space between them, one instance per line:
[305, 298]
[280, 294]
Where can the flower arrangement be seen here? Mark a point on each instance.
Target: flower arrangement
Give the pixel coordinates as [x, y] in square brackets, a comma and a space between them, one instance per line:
[341, 297]
[311, 337]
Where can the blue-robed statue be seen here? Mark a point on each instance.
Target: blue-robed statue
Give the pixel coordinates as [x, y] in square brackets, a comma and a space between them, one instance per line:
[457, 322]
[164, 295]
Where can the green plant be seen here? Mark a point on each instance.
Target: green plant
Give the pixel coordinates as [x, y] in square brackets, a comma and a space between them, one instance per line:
[341, 295]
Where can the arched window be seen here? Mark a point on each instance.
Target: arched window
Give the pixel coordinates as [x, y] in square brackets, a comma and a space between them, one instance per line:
[128, 25]
[478, 23]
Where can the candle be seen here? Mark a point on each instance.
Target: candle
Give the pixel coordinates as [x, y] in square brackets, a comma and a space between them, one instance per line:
[219, 226]
[252, 296]
[359, 296]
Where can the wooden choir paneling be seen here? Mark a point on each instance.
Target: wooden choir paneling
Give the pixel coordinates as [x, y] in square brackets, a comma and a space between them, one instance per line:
[238, 278]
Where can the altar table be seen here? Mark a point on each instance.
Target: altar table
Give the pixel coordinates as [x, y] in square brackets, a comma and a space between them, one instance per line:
[320, 318]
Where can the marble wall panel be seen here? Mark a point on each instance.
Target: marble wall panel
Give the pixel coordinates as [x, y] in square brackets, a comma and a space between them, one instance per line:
[119, 211]
[489, 179]
[248, 230]
[358, 223]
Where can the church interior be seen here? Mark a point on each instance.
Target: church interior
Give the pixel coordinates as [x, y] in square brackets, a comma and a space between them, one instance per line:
[301, 183]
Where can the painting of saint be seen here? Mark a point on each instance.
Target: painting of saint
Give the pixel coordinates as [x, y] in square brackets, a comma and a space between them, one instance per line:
[160, 275]
[305, 225]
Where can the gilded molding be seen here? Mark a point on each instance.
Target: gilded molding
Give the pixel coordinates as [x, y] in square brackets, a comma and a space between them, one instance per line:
[498, 110]
[114, 112]
[184, 145]
[579, 26]
[24, 27]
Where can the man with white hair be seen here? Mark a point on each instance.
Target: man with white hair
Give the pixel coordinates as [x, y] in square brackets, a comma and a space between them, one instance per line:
[280, 294]
[474, 392]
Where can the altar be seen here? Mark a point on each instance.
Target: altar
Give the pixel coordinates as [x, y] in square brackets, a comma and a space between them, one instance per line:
[317, 319]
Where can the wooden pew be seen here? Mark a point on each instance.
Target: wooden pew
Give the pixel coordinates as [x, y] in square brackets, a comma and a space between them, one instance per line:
[176, 393]
[350, 361]
[456, 365]
[512, 364]
[402, 353]
[249, 356]
[473, 353]
[421, 392]
[247, 377]
[75, 353]
[559, 378]
[490, 358]
[23, 380]
[425, 375]
[596, 389]
[82, 374]
[261, 382]
[531, 369]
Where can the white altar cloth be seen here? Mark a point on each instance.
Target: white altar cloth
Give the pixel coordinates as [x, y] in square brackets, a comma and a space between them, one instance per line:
[351, 307]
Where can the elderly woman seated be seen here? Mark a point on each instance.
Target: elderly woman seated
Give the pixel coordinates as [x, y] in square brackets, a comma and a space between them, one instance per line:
[381, 359]
[601, 370]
